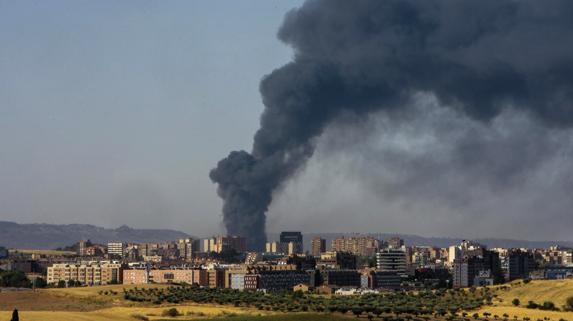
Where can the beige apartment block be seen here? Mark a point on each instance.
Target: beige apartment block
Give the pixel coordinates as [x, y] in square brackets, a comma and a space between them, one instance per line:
[143, 276]
[89, 273]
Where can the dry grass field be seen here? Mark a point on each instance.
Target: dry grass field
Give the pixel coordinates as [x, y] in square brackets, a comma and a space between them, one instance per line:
[556, 291]
[189, 311]
[86, 303]
[70, 299]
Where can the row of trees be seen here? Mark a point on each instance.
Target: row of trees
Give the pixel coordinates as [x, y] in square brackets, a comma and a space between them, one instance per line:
[14, 279]
[547, 305]
[440, 302]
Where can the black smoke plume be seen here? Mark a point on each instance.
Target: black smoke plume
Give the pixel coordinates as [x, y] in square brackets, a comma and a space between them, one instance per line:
[479, 57]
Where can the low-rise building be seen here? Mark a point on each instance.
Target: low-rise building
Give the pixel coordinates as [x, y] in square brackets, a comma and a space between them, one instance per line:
[337, 260]
[386, 280]
[185, 275]
[275, 280]
[89, 273]
[340, 278]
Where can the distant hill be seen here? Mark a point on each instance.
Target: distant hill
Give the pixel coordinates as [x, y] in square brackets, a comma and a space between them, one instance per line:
[415, 240]
[51, 236]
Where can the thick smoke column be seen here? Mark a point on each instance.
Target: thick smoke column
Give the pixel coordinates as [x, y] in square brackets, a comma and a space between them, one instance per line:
[356, 57]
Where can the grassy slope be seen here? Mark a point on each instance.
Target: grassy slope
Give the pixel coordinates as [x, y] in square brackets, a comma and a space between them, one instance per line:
[125, 313]
[86, 304]
[70, 299]
[556, 291]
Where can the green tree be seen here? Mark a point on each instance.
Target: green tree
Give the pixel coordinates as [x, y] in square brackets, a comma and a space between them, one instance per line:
[548, 305]
[14, 279]
[357, 311]
[516, 302]
[532, 305]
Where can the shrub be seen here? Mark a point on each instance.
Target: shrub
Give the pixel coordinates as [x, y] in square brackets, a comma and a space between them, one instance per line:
[532, 305]
[515, 302]
[548, 305]
[569, 303]
[357, 311]
[170, 313]
[140, 317]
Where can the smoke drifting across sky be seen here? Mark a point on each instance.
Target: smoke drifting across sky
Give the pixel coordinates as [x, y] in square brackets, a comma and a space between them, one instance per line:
[354, 59]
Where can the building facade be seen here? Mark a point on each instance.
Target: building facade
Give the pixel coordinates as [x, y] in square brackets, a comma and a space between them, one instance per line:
[222, 243]
[520, 264]
[337, 260]
[358, 245]
[115, 249]
[340, 278]
[317, 246]
[144, 276]
[478, 265]
[275, 280]
[392, 260]
[89, 273]
[293, 242]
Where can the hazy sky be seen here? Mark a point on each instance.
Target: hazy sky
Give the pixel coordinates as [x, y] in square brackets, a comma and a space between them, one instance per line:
[115, 112]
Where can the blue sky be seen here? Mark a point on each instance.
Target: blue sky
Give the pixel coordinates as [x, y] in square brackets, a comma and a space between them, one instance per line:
[114, 112]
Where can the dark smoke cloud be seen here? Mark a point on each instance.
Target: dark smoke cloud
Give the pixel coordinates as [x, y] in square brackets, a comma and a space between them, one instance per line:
[352, 58]
[432, 171]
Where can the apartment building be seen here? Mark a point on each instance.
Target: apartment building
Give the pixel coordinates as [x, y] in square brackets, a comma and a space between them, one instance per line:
[337, 260]
[358, 245]
[116, 249]
[144, 276]
[187, 249]
[225, 242]
[476, 267]
[88, 273]
[317, 246]
[275, 280]
[293, 242]
[520, 264]
[276, 247]
[216, 278]
[340, 278]
[392, 260]
[235, 276]
[395, 242]
[386, 280]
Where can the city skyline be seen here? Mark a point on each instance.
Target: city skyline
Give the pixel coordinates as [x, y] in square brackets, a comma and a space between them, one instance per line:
[324, 160]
